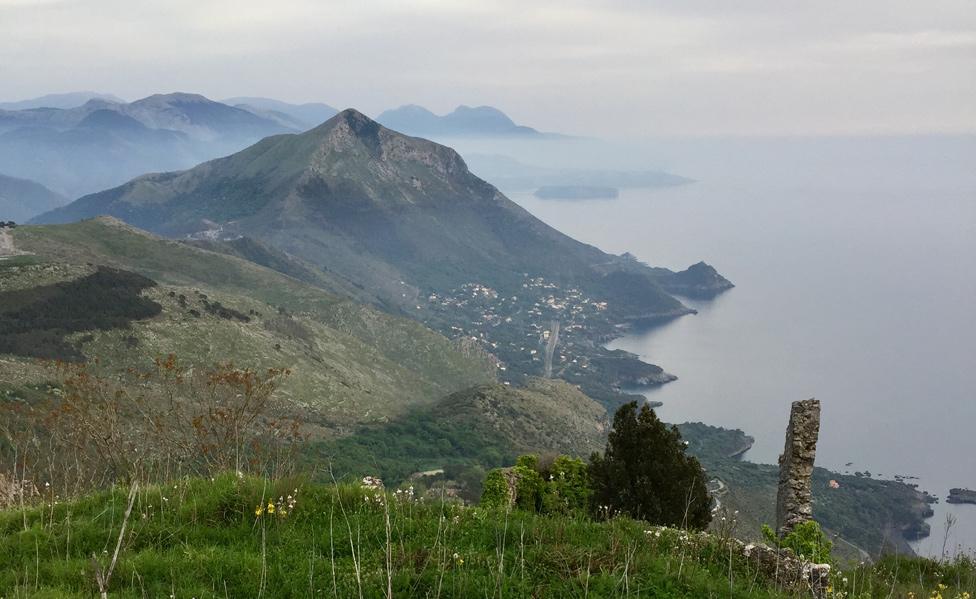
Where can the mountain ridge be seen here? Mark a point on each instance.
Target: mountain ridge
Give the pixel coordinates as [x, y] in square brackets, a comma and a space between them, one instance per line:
[462, 121]
[308, 115]
[21, 199]
[404, 220]
[62, 100]
[103, 143]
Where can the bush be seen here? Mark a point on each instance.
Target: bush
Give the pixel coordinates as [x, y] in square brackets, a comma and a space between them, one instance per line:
[528, 483]
[807, 540]
[495, 492]
[560, 487]
[94, 430]
[646, 474]
[566, 486]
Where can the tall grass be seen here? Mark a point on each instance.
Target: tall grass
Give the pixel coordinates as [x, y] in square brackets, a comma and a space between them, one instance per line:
[237, 536]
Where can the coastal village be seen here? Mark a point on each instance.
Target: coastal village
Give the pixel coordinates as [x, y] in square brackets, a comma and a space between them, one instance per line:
[542, 329]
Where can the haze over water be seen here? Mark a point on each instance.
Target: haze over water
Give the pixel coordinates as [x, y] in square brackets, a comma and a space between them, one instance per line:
[855, 267]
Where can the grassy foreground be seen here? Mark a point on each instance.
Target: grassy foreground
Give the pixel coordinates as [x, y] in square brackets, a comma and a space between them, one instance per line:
[248, 537]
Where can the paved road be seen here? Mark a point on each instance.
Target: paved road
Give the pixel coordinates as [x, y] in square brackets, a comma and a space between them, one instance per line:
[7, 244]
[551, 347]
[719, 490]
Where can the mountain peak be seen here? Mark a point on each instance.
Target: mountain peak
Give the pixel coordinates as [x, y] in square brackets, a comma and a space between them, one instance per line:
[347, 125]
[351, 115]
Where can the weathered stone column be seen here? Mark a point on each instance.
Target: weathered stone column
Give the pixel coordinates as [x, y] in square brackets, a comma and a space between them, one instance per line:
[793, 504]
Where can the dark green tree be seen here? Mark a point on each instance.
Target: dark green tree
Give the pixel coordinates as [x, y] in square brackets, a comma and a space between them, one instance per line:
[645, 473]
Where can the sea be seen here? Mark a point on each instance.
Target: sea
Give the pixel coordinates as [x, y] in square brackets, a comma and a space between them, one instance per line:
[854, 264]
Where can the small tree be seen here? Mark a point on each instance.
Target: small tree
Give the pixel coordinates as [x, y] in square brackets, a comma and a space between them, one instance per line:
[528, 483]
[646, 474]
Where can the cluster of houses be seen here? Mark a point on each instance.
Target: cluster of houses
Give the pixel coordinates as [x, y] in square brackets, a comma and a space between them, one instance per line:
[517, 327]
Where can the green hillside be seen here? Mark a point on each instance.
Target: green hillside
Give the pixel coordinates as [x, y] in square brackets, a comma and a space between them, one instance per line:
[472, 430]
[350, 364]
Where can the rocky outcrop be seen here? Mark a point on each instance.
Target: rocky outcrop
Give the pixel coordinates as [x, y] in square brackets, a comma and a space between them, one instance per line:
[793, 498]
[788, 571]
[699, 280]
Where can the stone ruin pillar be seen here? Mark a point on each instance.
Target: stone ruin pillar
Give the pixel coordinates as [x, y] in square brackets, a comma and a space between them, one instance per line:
[793, 498]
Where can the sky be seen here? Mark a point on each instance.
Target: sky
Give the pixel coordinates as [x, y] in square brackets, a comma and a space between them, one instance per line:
[626, 68]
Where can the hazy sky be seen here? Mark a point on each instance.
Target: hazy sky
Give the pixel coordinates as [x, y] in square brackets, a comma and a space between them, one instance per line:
[625, 67]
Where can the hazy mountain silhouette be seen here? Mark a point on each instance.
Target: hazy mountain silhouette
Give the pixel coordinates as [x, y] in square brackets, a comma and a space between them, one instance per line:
[463, 121]
[66, 100]
[21, 199]
[300, 116]
[104, 143]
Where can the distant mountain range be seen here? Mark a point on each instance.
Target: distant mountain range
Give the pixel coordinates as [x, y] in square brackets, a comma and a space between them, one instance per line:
[67, 100]
[102, 143]
[403, 221]
[82, 142]
[21, 199]
[464, 121]
[191, 114]
[297, 116]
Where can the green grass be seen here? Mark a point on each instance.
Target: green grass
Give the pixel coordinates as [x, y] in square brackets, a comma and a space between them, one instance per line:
[201, 538]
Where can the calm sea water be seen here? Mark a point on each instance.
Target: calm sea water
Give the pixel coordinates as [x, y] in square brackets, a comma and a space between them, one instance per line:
[861, 293]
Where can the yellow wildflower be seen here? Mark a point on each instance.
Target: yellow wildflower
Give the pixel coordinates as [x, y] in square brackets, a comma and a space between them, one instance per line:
[258, 511]
[271, 508]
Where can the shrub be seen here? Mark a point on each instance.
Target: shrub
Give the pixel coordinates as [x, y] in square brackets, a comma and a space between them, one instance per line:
[807, 540]
[566, 486]
[560, 487]
[646, 474]
[96, 429]
[495, 492]
[528, 483]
